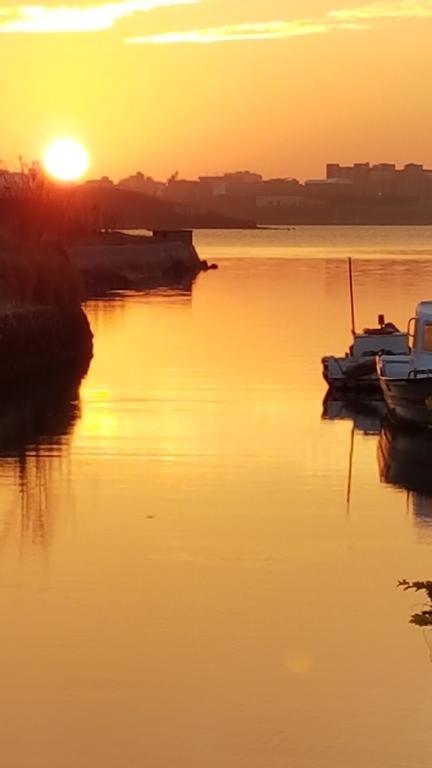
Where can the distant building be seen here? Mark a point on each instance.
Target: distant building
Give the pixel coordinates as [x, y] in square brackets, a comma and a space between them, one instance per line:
[184, 191]
[384, 179]
[103, 182]
[329, 188]
[146, 185]
[210, 189]
[243, 177]
[279, 201]
[239, 183]
[213, 186]
[279, 193]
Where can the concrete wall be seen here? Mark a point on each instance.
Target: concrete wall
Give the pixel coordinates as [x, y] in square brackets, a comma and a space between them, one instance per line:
[151, 260]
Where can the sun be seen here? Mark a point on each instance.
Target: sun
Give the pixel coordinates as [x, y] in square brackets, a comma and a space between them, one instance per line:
[66, 159]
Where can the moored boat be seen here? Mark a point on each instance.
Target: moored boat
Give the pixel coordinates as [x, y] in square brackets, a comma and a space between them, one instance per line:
[406, 380]
[356, 370]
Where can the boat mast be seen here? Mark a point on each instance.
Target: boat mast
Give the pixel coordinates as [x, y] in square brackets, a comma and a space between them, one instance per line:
[351, 284]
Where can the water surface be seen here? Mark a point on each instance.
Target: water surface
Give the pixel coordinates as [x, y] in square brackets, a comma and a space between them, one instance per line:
[184, 581]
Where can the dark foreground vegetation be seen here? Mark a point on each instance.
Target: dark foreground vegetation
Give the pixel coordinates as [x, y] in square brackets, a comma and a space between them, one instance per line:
[44, 332]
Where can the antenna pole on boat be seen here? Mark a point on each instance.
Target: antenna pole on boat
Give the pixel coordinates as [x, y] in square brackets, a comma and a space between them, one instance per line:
[351, 284]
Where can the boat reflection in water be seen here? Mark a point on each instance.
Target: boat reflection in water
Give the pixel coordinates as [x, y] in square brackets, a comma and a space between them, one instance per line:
[34, 429]
[405, 461]
[366, 414]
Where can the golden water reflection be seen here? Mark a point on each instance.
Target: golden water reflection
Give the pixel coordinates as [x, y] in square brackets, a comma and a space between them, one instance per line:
[206, 600]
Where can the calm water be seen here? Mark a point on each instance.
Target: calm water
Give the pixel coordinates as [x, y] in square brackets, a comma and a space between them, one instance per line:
[184, 584]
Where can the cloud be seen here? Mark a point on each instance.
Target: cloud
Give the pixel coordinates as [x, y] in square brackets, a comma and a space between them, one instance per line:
[272, 30]
[76, 18]
[82, 17]
[404, 9]
[359, 17]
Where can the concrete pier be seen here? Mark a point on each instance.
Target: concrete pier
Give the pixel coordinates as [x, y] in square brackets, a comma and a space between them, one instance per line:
[116, 260]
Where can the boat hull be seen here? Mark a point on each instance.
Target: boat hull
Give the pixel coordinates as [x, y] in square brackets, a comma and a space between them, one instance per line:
[346, 374]
[409, 400]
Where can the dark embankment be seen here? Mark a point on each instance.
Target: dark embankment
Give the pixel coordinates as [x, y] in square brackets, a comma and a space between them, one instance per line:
[44, 333]
[43, 343]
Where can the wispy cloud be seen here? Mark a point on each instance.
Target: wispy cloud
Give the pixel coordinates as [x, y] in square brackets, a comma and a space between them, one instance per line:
[81, 17]
[76, 18]
[404, 9]
[360, 17]
[272, 30]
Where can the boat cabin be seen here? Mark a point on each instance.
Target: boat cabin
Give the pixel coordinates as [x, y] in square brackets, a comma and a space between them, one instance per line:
[386, 339]
[364, 345]
[418, 362]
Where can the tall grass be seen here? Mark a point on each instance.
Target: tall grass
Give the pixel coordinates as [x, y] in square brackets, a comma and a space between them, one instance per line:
[35, 269]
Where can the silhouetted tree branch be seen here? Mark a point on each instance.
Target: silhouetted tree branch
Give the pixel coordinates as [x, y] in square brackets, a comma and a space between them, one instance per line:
[424, 618]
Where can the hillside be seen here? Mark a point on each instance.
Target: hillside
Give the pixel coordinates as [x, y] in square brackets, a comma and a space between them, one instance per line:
[113, 208]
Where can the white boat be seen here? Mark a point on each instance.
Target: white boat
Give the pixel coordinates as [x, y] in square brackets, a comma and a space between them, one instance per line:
[406, 380]
[357, 368]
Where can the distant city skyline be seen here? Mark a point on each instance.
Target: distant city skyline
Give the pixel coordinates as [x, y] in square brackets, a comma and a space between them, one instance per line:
[355, 172]
[330, 170]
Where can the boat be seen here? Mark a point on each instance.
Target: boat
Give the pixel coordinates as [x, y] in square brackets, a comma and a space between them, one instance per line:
[406, 380]
[356, 370]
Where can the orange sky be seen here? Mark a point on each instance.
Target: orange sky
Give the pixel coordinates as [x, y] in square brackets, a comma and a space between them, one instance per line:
[202, 86]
